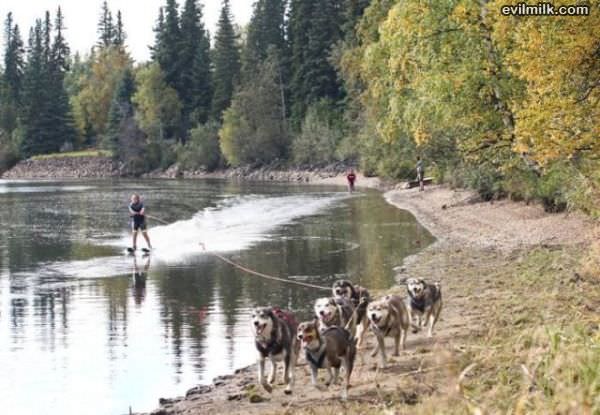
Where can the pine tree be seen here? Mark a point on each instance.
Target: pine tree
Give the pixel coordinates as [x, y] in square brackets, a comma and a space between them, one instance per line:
[266, 32]
[106, 28]
[195, 82]
[36, 123]
[121, 108]
[119, 33]
[156, 50]
[170, 42]
[47, 42]
[226, 62]
[11, 84]
[266, 29]
[314, 27]
[60, 108]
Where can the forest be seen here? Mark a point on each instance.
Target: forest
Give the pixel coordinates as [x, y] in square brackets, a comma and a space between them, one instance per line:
[506, 105]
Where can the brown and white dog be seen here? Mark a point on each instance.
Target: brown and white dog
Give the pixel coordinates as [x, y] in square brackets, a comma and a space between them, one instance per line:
[331, 349]
[424, 304]
[388, 317]
[335, 312]
[275, 339]
[359, 297]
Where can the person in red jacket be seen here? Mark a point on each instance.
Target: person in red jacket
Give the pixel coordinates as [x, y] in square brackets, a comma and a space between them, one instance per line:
[351, 177]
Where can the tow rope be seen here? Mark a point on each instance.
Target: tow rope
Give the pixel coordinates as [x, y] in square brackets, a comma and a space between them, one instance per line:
[260, 274]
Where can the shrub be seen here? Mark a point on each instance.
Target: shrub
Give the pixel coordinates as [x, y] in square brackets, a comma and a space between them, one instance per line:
[320, 134]
[554, 185]
[202, 149]
[8, 153]
[520, 182]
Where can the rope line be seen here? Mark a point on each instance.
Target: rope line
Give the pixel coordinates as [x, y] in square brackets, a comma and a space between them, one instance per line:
[260, 274]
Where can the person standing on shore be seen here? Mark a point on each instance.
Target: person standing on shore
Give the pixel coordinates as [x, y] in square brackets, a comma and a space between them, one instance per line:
[137, 212]
[420, 174]
[351, 177]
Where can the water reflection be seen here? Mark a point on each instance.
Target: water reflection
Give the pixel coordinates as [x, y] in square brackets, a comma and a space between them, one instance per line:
[77, 316]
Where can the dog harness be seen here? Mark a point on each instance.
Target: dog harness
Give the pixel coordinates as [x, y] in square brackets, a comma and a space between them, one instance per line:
[316, 361]
[421, 303]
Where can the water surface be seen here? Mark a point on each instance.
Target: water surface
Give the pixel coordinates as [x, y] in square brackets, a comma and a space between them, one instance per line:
[85, 328]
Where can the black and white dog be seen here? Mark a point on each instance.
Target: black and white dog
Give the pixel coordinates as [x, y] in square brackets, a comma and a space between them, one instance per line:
[424, 304]
[360, 298]
[331, 349]
[335, 312]
[275, 339]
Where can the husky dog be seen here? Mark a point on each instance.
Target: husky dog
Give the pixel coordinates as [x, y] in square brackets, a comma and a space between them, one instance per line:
[388, 317]
[330, 349]
[275, 338]
[424, 303]
[359, 297]
[335, 312]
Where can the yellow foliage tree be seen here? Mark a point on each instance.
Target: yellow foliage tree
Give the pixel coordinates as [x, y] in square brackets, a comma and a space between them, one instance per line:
[96, 89]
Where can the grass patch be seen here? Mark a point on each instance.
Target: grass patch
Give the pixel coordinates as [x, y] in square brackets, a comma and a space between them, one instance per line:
[74, 154]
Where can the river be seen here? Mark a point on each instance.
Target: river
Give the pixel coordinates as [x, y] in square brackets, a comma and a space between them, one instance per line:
[86, 328]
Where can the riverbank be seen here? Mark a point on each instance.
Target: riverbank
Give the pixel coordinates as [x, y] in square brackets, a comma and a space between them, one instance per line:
[514, 302]
[61, 166]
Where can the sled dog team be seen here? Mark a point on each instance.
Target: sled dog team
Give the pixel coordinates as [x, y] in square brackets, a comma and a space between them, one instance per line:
[331, 339]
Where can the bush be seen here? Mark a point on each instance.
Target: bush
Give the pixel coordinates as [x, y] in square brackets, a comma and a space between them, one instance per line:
[520, 183]
[159, 154]
[202, 150]
[9, 155]
[320, 134]
[554, 185]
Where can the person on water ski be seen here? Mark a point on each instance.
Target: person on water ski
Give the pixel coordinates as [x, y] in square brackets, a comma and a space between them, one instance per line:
[351, 177]
[137, 212]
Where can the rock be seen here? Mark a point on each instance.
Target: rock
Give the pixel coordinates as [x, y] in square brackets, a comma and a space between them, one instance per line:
[198, 390]
[235, 397]
[221, 380]
[255, 398]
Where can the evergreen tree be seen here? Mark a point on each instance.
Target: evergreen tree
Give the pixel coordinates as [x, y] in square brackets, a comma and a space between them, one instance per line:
[226, 62]
[195, 93]
[60, 108]
[266, 32]
[11, 85]
[314, 27]
[36, 123]
[119, 33]
[121, 108]
[156, 50]
[353, 11]
[266, 29]
[167, 54]
[106, 29]
[47, 43]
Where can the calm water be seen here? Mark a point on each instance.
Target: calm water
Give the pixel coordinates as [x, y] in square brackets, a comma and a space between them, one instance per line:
[79, 333]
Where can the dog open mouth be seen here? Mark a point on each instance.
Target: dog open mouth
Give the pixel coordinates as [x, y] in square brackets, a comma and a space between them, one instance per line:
[326, 317]
[259, 328]
[375, 318]
[306, 339]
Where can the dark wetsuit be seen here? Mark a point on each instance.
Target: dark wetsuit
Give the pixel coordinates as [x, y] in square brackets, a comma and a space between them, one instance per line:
[138, 220]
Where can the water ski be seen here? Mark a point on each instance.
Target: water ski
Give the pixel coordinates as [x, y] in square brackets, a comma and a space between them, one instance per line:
[145, 251]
